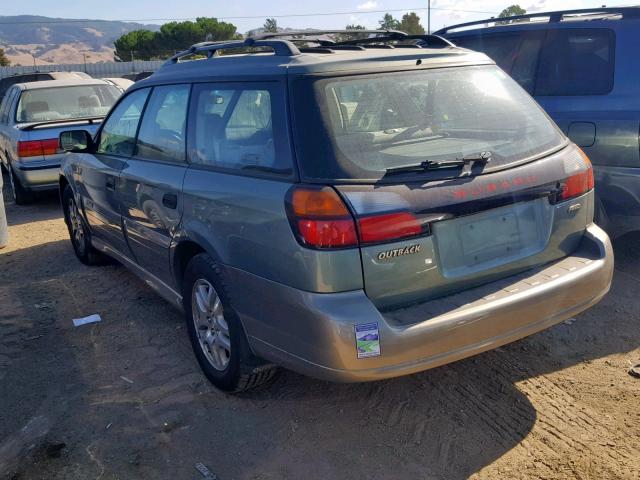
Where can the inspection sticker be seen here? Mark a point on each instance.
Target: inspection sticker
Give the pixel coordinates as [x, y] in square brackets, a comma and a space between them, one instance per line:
[367, 340]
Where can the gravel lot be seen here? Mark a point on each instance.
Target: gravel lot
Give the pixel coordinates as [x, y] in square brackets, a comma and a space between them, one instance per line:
[124, 398]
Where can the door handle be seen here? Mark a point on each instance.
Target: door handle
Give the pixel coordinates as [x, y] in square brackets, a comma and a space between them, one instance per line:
[170, 200]
[111, 183]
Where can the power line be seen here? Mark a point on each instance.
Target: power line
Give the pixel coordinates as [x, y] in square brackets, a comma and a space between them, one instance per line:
[246, 17]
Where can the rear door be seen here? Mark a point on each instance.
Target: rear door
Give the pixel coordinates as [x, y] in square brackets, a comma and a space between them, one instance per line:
[150, 187]
[575, 85]
[7, 128]
[97, 175]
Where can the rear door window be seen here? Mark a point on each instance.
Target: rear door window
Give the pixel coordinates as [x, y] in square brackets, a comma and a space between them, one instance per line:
[240, 128]
[118, 134]
[577, 62]
[4, 107]
[8, 108]
[163, 129]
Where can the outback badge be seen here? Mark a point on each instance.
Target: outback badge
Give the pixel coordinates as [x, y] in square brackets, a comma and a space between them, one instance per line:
[399, 252]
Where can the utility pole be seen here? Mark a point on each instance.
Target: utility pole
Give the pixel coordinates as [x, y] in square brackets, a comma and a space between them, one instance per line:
[428, 17]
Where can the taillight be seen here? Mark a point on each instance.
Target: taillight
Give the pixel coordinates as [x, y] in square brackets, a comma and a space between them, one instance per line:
[321, 219]
[35, 148]
[387, 227]
[578, 183]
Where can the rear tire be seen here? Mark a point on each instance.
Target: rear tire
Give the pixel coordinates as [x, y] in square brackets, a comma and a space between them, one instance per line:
[79, 231]
[20, 195]
[215, 331]
[600, 216]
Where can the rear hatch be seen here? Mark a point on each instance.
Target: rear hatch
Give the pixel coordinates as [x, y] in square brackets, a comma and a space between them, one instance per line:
[455, 177]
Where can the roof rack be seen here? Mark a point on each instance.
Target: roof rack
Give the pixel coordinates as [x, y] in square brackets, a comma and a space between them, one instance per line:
[307, 33]
[553, 17]
[287, 48]
[380, 37]
[281, 48]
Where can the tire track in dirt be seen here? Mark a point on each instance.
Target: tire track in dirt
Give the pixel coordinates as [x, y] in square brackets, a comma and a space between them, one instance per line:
[567, 429]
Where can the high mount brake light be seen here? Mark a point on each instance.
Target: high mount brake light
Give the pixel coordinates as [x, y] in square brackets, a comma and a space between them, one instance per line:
[35, 148]
[320, 219]
[579, 183]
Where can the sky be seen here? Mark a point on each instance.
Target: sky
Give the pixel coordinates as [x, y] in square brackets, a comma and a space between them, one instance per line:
[328, 14]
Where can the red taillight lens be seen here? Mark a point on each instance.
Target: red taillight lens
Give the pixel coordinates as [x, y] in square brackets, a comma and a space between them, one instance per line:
[50, 146]
[382, 228]
[321, 219]
[579, 183]
[328, 233]
[35, 148]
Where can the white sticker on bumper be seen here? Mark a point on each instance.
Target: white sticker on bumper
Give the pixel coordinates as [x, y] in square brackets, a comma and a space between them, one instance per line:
[367, 340]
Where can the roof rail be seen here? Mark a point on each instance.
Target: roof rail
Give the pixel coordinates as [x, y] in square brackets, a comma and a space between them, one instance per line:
[428, 40]
[281, 48]
[554, 17]
[307, 33]
[380, 36]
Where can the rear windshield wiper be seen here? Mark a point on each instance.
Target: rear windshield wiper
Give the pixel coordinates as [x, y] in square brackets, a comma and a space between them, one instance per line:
[481, 157]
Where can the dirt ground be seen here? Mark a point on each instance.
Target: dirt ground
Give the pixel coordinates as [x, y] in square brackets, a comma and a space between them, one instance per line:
[124, 398]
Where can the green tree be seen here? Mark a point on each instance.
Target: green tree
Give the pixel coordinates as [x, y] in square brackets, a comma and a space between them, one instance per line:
[270, 25]
[511, 11]
[4, 61]
[173, 36]
[388, 22]
[138, 44]
[411, 24]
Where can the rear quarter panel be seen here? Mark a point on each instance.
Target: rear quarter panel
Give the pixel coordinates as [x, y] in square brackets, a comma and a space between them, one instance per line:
[242, 222]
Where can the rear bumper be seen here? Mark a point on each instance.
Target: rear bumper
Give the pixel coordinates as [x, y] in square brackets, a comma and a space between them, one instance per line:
[38, 176]
[314, 333]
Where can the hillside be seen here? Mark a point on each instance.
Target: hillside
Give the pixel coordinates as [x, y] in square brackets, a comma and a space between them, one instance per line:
[59, 40]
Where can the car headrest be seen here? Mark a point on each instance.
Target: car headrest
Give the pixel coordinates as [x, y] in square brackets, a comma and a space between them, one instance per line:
[36, 107]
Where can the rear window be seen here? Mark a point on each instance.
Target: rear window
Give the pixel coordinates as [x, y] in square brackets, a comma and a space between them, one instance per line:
[569, 61]
[62, 103]
[577, 62]
[360, 126]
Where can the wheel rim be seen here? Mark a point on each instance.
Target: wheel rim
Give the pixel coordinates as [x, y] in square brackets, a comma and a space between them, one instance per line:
[75, 222]
[210, 324]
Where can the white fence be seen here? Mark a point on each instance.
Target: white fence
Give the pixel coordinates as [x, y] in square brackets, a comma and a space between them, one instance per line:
[98, 70]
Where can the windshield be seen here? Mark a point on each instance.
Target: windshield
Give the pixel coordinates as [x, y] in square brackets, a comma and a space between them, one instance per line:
[62, 103]
[372, 123]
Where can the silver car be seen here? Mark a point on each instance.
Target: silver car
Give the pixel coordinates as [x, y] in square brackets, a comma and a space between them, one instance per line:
[32, 115]
[351, 213]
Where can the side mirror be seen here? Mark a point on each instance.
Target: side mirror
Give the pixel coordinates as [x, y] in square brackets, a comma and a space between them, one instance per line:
[75, 141]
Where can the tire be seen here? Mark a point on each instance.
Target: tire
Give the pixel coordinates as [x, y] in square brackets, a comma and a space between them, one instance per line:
[600, 216]
[20, 195]
[217, 336]
[79, 231]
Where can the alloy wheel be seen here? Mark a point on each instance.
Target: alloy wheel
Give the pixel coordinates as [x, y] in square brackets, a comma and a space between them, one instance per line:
[210, 324]
[75, 222]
